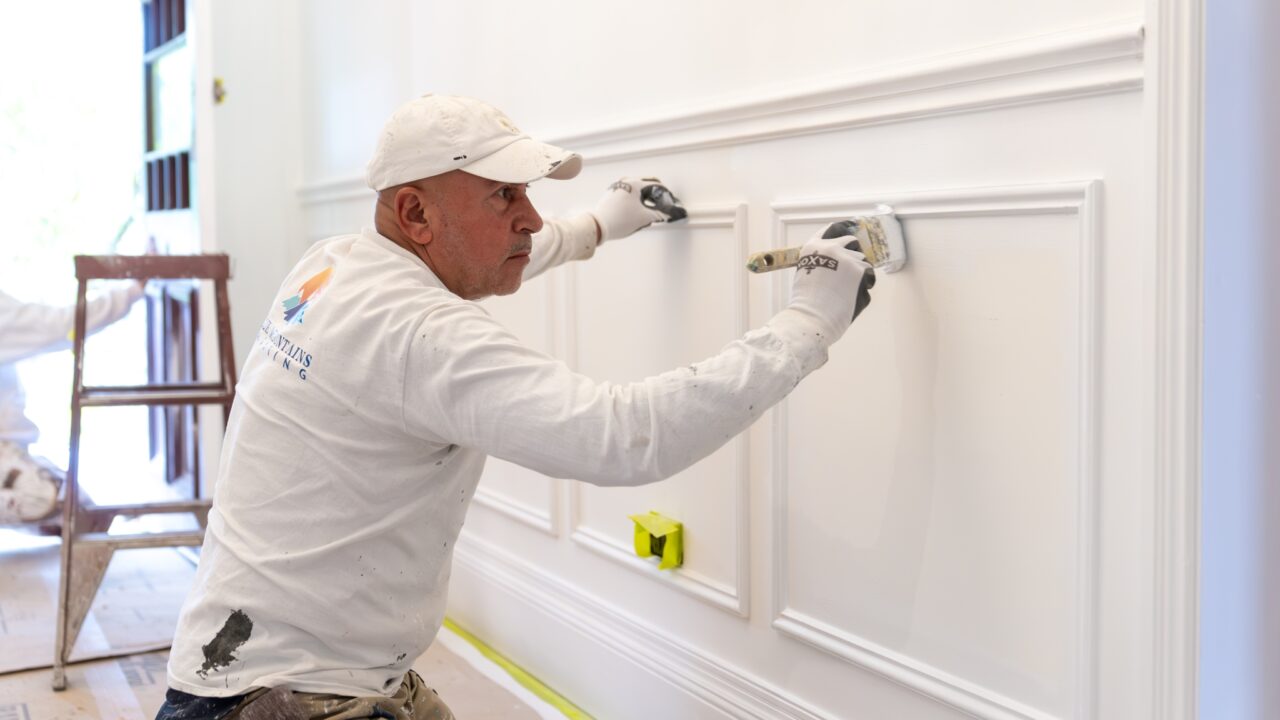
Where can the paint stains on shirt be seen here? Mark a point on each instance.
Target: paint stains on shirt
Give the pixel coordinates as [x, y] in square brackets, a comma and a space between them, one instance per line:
[218, 653]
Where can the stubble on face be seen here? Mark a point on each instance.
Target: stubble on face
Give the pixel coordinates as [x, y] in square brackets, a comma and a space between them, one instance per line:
[482, 239]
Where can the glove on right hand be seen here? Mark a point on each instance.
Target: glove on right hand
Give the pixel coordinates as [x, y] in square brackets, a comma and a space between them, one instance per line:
[831, 281]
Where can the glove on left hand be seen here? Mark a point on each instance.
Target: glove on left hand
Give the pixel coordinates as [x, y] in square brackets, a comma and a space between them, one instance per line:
[633, 204]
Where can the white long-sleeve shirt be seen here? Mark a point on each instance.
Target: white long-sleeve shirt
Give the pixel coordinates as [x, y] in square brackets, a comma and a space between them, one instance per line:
[360, 428]
[29, 329]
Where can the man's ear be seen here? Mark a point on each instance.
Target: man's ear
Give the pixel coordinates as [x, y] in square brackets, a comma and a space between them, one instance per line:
[413, 215]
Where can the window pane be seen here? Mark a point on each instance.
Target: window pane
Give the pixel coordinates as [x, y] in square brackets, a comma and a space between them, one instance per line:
[172, 100]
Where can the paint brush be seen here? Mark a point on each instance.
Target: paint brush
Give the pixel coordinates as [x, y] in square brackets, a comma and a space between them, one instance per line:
[877, 236]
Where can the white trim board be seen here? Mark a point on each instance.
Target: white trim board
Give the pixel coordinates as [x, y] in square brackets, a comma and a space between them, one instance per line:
[733, 597]
[1080, 198]
[711, 680]
[1174, 127]
[473, 657]
[1097, 60]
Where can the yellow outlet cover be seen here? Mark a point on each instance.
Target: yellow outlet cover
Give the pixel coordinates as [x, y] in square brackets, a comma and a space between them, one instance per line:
[657, 534]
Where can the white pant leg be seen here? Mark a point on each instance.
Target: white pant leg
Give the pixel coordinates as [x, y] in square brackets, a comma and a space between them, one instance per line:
[28, 486]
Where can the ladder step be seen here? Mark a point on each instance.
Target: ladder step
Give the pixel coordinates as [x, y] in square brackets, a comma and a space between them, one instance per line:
[184, 538]
[149, 508]
[203, 394]
[172, 267]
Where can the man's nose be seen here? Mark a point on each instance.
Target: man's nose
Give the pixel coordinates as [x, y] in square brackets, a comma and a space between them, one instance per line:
[528, 220]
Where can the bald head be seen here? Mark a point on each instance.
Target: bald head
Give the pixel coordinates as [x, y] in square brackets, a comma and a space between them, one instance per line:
[473, 233]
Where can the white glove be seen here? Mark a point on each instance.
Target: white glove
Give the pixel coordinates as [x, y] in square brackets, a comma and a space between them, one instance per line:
[830, 287]
[633, 204]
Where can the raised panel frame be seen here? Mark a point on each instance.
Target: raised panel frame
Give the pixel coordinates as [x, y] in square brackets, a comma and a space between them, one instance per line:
[1079, 198]
[545, 520]
[734, 597]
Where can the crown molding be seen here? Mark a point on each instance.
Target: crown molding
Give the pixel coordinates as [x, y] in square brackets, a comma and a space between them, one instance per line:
[1096, 60]
[1091, 61]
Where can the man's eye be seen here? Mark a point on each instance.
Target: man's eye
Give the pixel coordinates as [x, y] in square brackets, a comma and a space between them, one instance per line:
[506, 193]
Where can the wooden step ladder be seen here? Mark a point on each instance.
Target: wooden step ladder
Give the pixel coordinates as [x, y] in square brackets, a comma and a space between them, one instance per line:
[87, 547]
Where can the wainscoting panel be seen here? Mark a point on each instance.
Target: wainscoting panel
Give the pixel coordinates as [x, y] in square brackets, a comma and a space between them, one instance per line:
[687, 282]
[934, 483]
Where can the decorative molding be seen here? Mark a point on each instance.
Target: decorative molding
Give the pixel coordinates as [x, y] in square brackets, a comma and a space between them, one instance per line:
[721, 595]
[1093, 61]
[734, 598]
[534, 517]
[707, 678]
[1175, 170]
[333, 190]
[1079, 198]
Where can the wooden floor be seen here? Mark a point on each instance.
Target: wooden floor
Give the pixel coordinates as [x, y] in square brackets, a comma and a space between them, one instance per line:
[133, 687]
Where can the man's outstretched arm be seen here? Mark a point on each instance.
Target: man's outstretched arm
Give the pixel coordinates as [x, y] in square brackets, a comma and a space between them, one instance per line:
[628, 206]
[470, 382]
[28, 329]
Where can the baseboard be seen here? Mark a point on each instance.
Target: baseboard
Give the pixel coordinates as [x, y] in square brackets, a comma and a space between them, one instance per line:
[708, 680]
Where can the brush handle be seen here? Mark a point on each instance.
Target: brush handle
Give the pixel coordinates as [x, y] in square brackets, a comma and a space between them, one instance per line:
[770, 260]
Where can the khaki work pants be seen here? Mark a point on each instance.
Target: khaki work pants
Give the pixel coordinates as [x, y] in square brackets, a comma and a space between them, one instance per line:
[413, 701]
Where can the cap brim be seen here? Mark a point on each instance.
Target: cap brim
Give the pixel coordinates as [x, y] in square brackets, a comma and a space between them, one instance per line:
[526, 160]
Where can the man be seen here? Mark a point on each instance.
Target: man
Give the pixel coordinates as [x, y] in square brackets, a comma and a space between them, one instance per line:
[29, 485]
[376, 389]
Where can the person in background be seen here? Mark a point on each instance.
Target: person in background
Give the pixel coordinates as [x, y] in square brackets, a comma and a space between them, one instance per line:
[29, 485]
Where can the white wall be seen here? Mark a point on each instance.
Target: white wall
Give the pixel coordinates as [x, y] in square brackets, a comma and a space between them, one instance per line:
[956, 514]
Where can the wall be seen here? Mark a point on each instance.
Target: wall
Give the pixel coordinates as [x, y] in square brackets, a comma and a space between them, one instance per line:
[956, 515]
[1240, 625]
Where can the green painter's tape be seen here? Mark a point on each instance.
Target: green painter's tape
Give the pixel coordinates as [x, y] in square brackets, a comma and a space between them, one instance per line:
[529, 682]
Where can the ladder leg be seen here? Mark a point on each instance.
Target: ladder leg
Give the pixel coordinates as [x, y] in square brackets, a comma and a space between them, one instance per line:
[88, 566]
[71, 498]
[81, 578]
[60, 630]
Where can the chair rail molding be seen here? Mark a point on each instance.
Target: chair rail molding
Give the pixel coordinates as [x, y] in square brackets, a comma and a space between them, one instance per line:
[1079, 198]
[1102, 59]
[733, 597]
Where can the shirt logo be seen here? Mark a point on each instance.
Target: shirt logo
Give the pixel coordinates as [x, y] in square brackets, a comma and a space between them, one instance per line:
[809, 262]
[296, 307]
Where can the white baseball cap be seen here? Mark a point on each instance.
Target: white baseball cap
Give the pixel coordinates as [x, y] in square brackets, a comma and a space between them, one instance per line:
[435, 134]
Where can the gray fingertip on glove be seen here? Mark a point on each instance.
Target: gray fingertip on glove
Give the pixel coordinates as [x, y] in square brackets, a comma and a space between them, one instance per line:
[846, 229]
[632, 204]
[828, 292]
